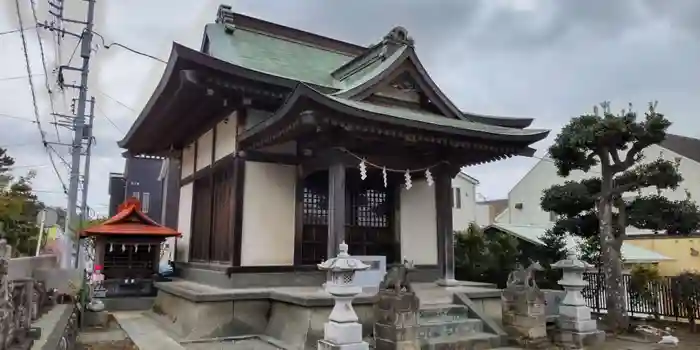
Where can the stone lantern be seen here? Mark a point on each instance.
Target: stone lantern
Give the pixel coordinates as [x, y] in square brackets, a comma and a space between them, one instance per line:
[342, 331]
[575, 324]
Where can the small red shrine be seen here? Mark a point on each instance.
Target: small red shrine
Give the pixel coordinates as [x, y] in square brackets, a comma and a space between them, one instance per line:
[127, 246]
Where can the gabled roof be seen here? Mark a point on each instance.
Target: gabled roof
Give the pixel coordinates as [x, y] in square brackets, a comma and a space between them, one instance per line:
[533, 234]
[685, 146]
[325, 63]
[129, 221]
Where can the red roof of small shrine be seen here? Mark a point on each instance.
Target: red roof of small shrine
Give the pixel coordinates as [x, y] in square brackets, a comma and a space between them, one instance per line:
[129, 221]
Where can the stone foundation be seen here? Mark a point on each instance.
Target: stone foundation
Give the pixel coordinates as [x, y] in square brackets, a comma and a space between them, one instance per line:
[296, 322]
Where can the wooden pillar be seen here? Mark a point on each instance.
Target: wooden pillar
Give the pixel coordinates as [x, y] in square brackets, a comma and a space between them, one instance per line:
[445, 234]
[336, 208]
[236, 229]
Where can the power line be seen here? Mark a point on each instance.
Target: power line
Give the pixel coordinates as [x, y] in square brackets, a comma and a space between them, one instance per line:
[16, 30]
[46, 73]
[109, 120]
[108, 46]
[16, 118]
[115, 100]
[20, 77]
[33, 94]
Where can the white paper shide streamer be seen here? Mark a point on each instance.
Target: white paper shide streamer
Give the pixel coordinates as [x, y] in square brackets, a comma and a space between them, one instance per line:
[386, 183]
[429, 177]
[407, 177]
[363, 170]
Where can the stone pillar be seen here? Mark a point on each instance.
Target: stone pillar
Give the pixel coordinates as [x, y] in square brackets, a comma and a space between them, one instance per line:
[445, 233]
[576, 327]
[342, 331]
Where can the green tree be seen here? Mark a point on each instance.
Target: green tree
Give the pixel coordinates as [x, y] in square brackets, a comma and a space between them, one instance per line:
[19, 207]
[553, 250]
[485, 257]
[595, 207]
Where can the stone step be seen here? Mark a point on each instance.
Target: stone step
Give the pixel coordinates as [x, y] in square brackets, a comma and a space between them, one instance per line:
[476, 341]
[456, 327]
[440, 313]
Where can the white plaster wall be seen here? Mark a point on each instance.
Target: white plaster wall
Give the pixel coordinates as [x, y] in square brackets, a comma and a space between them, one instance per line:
[184, 222]
[187, 164]
[226, 137]
[466, 214]
[418, 224]
[544, 175]
[268, 214]
[205, 146]
[483, 214]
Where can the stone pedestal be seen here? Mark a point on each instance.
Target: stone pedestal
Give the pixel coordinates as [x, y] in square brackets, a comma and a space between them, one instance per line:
[576, 328]
[523, 309]
[342, 331]
[396, 320]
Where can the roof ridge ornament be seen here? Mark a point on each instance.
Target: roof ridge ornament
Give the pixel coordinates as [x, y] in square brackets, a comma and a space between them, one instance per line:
[399, 35]
[224, 15]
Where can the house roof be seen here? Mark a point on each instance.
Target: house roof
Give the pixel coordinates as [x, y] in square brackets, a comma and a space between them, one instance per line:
[467, 177]
[240, 50]
[532, 234]
[129, 221]
[685, 146]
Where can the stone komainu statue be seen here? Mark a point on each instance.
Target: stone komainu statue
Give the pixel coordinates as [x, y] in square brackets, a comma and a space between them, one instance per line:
[524, 277]
[396, 278]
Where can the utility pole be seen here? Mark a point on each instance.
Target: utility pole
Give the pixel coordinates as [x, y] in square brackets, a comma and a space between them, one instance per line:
[79, 134]
[86, 171]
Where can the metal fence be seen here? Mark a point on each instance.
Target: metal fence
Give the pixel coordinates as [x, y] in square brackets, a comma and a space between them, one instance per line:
[662, 302]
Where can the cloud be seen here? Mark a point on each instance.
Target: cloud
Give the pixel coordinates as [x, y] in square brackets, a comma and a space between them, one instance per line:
[547, 59]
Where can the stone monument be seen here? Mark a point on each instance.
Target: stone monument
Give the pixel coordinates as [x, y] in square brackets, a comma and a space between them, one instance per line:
[576, 327]
[523, 308]
[342, 331]
[396, 312]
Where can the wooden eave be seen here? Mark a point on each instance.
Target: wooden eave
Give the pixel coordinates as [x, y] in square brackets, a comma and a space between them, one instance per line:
[307, 109]
[180, 91]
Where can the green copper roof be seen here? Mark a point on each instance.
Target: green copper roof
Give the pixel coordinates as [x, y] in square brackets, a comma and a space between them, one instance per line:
[433, 119]
[276, 56]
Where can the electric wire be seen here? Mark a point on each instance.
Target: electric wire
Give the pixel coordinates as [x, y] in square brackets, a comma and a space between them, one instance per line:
[46, 72]
[109, 119]
[16, 30]
[20, 77]
[115, 100]
[108, 46]
[42, 134]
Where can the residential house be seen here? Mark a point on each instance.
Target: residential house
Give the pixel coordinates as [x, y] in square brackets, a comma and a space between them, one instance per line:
[531, 235]
[524, 199]
[463, 201]
[141, 180]
[488, 210]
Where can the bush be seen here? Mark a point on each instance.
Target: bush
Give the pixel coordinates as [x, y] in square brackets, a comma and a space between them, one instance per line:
[484, 258]
[645, 282]
[686, 294]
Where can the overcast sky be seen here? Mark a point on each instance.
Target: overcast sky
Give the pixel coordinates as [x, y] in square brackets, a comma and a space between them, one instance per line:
[550, 60]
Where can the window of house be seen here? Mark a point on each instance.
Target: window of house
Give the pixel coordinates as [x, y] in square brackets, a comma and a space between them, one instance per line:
[136, 195]
[146, 202]
[456, 198]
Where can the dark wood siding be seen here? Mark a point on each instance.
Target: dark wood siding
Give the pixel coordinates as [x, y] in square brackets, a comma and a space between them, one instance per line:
[212, 223]
[201, 220]
[222, 222]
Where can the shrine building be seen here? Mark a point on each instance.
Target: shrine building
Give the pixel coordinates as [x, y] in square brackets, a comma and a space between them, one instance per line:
[289, 142]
